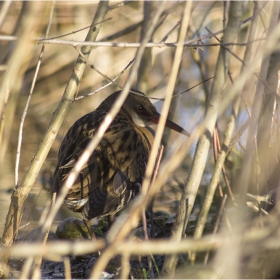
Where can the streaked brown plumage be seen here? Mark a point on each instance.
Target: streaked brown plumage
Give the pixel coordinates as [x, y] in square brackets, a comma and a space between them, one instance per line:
[116, 168]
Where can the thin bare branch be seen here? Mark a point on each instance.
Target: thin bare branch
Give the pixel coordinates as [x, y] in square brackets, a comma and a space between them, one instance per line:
[189, 43]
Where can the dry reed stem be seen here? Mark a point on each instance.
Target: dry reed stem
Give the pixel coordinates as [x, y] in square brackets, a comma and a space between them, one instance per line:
[54, 249]
[67, 268]
[216, 150]
[227, 183]
[125, 266]
[228, 136]
[199, 161]
[223, 261]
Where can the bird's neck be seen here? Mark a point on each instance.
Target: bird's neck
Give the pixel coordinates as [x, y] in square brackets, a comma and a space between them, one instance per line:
[146, 132]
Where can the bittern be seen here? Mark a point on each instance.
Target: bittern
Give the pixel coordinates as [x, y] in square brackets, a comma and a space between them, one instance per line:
[115, 170]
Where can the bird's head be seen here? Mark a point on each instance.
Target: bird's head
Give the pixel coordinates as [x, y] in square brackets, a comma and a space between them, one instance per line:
[142, 112]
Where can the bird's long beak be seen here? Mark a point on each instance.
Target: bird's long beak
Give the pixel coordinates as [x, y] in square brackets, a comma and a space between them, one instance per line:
[155, 119]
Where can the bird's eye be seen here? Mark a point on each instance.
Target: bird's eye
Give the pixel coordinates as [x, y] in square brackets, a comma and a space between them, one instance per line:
[139, 108]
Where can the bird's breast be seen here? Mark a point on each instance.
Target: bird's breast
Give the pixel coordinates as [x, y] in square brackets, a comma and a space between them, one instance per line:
[147, 136]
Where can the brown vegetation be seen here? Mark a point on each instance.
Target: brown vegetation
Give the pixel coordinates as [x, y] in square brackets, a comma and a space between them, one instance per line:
[215, 65]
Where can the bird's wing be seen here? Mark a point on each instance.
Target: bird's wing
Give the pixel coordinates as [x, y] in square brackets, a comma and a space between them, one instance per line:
[102, 202]
[71, 147]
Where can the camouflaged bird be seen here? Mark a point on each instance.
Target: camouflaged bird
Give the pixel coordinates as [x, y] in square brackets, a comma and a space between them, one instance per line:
[115, 170]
